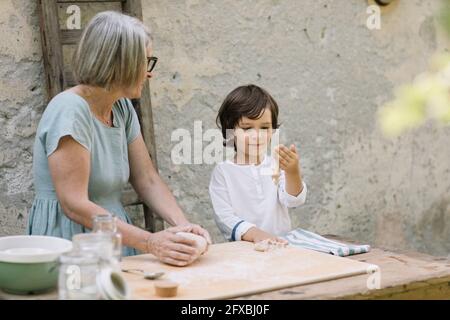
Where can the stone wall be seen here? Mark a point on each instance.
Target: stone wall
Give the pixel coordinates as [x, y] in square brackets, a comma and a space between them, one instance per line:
[329, 74]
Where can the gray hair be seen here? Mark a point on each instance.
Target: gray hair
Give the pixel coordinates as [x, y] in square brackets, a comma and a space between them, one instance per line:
[111, 51]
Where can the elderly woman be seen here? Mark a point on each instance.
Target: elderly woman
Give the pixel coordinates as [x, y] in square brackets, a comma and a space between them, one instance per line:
[88, 146]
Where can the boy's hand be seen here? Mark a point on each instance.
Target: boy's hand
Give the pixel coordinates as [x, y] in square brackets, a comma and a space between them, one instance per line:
[256, 235]
[288, 158]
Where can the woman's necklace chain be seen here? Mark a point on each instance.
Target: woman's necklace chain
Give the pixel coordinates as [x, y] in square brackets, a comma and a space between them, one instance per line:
[107, 122]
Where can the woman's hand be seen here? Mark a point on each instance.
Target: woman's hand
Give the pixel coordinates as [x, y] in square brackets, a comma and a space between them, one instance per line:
[173, 249]
[256, 235]
[199, 230]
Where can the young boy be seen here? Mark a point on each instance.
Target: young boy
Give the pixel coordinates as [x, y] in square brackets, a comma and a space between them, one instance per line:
[250, 204]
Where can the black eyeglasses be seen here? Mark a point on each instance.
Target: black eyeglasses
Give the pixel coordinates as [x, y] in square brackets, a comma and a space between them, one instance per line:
[151, 63]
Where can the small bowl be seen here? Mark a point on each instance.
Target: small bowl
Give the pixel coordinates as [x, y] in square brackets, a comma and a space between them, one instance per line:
[29, 264]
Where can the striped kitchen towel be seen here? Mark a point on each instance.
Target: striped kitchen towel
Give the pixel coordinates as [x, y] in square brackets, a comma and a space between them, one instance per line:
[309, 240]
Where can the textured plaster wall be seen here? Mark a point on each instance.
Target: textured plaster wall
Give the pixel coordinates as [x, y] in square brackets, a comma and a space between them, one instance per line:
[328, 72]
[22, 98]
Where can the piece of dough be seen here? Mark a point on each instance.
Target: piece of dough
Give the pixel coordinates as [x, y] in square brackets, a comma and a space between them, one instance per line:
[262, 246]
[200, 242]
[269, 244]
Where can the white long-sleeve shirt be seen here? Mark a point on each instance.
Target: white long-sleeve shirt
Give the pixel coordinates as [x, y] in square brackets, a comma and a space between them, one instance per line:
[244, 196]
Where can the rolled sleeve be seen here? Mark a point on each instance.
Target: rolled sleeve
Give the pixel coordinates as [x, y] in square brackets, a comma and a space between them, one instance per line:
[240, 229]
[289, 200]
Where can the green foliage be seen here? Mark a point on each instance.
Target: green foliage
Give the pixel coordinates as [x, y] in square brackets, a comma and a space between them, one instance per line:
[428, 97]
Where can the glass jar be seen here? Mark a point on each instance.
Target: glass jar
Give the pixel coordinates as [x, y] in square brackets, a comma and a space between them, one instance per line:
[99, 244]
[107, 224]
[77, 279]
[111, 285]
[82, 277]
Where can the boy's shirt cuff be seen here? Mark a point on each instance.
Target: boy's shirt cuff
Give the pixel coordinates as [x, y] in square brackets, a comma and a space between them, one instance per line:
[294, 201]
[240, 229]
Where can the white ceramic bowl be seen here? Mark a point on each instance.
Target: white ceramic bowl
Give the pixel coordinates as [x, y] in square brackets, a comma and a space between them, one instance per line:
[32, 249]
[29, 264]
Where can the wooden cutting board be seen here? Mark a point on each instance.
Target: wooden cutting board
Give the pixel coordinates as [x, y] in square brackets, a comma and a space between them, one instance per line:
[235, 269]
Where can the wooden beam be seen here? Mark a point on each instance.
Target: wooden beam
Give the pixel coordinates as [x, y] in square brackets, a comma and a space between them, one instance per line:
[59, 77]
[70, 80]
[93, 1]
[51, 48]
[70, 36]
[143, 108]
[130, 198]
[153, 222]
[133, 8]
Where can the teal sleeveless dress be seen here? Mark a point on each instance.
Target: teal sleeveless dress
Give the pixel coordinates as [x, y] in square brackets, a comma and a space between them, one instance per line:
[69, 114]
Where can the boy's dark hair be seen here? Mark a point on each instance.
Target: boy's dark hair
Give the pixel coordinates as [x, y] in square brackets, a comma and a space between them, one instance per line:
[245, 101]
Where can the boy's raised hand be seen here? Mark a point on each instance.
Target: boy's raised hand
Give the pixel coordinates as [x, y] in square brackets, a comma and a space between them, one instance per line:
[288, 158]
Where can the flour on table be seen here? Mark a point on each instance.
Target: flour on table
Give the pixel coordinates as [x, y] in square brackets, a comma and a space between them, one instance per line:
[269, 244]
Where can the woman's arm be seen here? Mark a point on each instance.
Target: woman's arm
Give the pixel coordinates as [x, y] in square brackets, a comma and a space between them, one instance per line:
[152, 189]
[69, 167]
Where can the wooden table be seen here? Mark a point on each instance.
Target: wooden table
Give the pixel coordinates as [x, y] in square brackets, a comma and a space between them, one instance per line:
[404, 275]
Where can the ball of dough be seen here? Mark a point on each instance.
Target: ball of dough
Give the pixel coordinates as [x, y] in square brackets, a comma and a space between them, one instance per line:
[200, 242]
